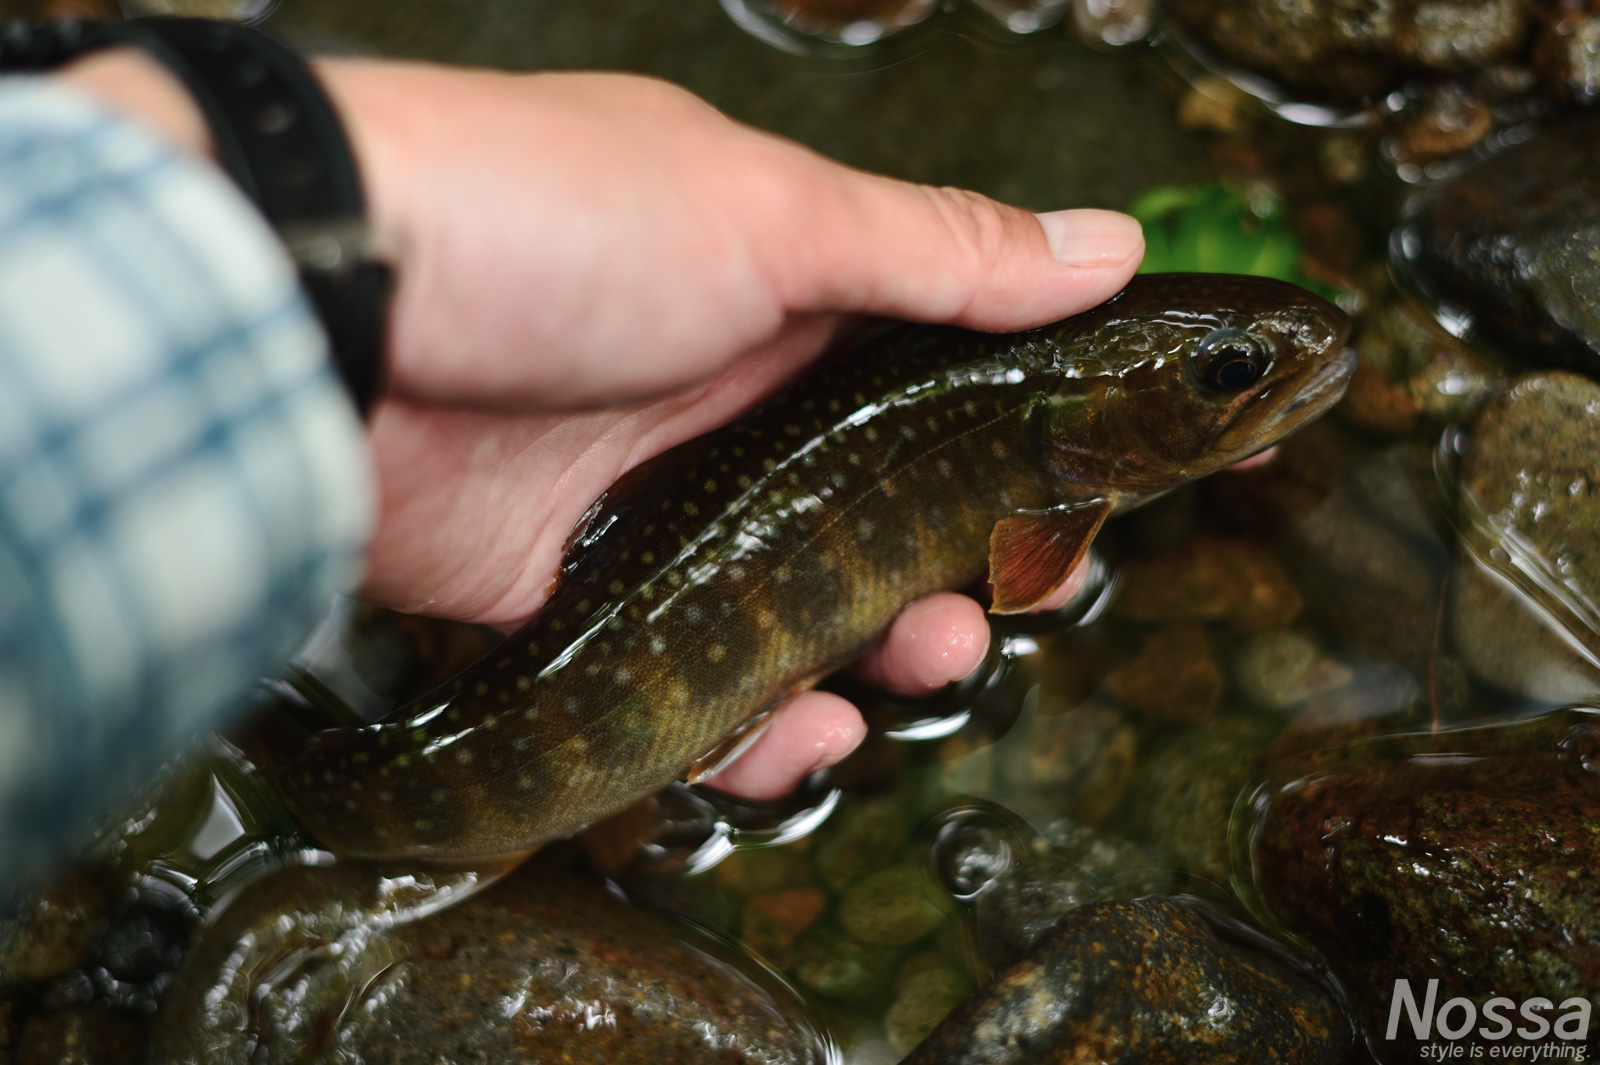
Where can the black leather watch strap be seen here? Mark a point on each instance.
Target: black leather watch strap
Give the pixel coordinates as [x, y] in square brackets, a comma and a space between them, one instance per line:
[276, 132]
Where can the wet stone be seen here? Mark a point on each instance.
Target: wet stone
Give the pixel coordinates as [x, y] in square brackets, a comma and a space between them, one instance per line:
[539, 967]
[1566, 56]
[1524, 594]
[1412, 370]
[829, 963]
[52, 929]
[1348, 49]
[1066, 866]
[81, 1036]
[867, 838]
[770, 924]
[1129, 982]
[1210, 579]
[1077, 759]
[892, 907]
[1375, 585]
[1509, 244]
[923, 999]
[1282, 670]
[1181, 799]
[1470, 856]
[1445, 121]
[1173, 678]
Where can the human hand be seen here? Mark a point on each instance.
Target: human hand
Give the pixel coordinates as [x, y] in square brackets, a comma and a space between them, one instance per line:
[593, 268]
[571, 242]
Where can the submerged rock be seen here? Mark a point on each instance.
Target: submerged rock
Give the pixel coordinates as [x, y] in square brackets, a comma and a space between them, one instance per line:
[891, 908]
[1062, 868]
[346, 965]
[1282, 670]
[1469, 856]
[1132, 982]
[1174, 677]
[51, 932]
[1210, 579]
[928, 989]
[1525, 608]
[1567, 57]
[81, 1036]
[1348, 49]
[1511, 243]
[1183, 796]
[1411, 369]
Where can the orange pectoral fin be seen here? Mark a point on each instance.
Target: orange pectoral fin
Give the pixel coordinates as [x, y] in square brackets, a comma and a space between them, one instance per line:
[1031, 554]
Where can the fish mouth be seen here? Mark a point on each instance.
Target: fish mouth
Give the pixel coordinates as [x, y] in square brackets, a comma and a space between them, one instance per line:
[1322, 389]
[1327, 385]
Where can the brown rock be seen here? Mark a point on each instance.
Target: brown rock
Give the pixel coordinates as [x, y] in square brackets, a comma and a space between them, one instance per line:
[1525, 598]
[540, 967]
[1348, 49]
[1566, 55]
[1174, 677]
[1207, 579]
[81, 1036]
[772, 923]
[1467, 856]
[1126, 983]
[53, 929]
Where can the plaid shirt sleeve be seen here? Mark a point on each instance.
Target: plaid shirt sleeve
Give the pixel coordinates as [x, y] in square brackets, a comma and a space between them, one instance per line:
[183, 484]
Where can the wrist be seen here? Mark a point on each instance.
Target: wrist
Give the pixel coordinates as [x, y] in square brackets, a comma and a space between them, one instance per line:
[131, 83]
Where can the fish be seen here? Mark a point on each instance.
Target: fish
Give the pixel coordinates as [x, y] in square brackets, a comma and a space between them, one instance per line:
[714, 581]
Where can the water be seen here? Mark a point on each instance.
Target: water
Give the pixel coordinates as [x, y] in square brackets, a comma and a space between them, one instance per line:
[1307, 594]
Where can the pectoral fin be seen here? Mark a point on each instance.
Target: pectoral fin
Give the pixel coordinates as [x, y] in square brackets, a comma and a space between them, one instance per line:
[1031, 554]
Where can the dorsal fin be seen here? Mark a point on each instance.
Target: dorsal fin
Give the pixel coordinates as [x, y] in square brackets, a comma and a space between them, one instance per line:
[1030, 554]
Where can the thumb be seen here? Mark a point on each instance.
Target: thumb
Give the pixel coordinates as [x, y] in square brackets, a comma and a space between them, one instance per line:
[860, 243]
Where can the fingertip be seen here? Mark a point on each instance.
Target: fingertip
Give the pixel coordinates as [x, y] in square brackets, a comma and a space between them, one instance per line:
[812, 731]
[1088, 237]
[936, 640]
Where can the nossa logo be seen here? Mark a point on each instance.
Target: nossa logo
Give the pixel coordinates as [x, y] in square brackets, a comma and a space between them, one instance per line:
[1458, 1017]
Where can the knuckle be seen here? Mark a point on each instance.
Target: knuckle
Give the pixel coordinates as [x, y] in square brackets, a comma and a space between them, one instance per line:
[980, 231]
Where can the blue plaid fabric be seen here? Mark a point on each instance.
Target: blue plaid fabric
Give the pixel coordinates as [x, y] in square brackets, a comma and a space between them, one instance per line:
[183, 485]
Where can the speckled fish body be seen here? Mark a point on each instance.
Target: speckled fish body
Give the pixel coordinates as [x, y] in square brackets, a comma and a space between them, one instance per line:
[718, 578]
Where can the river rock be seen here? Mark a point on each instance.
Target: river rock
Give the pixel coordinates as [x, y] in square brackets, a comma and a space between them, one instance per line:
[891, 908]
[1181, 799]
[1210, 579]
[81, 1036]
[928, 988]
[1065, 866]
[830, 963]
[1411, 369]
[1174, 677]
[1511, 244]
[1526, 593]
[51, 931]
[860, 840]
[1132, 982]
[1348, 49]
[1281, 670]
[1567, 57]
[1467, 856]
[344, 964]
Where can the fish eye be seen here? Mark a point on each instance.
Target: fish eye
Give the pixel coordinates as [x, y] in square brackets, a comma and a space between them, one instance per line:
[1229, 360]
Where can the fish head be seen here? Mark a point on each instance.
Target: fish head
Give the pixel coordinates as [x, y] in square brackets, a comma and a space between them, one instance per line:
[1180, 375]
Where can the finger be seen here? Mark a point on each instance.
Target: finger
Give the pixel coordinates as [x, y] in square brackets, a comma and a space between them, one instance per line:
[812, 731]
[936, 640]
[1261, 458]
[855, 242]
